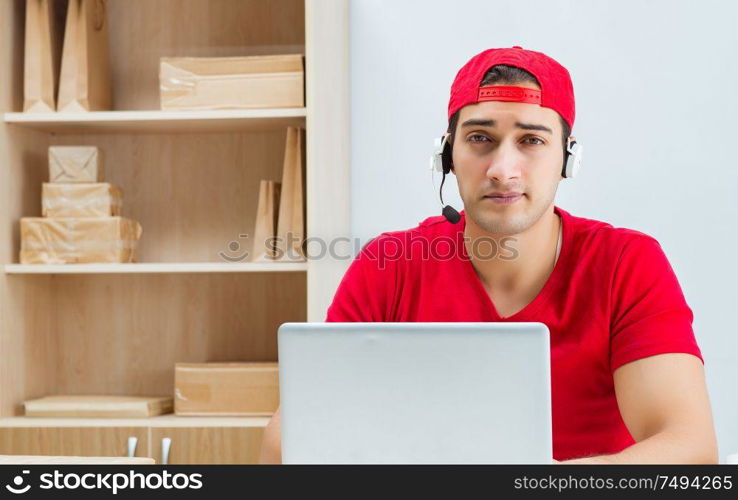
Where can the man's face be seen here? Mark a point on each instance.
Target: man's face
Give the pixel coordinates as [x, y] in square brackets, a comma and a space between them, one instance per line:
[507, 147]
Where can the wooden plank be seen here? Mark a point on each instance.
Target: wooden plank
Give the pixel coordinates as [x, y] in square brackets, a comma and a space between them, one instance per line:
[138, 122]
[157, 268]
[170, 420]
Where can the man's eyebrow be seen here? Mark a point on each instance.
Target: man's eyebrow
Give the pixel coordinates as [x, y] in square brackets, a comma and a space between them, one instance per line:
[475, 122]
[491, 123]
[533, 126]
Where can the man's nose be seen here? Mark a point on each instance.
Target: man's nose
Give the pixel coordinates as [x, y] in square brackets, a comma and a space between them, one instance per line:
[505, 164]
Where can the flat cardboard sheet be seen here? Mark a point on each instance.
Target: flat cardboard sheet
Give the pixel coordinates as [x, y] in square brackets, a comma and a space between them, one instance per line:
[98, 406]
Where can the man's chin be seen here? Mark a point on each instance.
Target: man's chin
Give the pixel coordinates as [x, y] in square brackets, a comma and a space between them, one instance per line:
[506, 222]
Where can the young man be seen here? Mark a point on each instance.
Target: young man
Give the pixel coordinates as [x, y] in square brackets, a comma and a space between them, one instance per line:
[627, 375]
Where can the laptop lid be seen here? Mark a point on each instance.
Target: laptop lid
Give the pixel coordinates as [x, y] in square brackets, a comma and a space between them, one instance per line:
[415, 393]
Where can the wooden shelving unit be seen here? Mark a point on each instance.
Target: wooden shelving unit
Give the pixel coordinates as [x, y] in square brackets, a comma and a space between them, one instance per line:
[191, 179]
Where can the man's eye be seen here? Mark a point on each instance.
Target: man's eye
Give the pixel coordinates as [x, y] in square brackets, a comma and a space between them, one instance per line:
[539, 143]
[477, 138]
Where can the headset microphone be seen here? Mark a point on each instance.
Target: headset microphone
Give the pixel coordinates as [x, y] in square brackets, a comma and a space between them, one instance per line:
[441, 162]
[451, 214]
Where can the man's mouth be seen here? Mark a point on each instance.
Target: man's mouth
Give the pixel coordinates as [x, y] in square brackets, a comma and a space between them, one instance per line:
[504, 198]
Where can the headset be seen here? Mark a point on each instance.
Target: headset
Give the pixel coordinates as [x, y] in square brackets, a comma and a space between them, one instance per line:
[441, 162]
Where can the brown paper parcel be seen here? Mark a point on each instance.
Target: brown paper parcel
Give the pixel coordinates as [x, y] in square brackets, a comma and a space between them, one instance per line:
[78, 240]
[226, 388]
[99, 199]
[76, 164]
[232, 82]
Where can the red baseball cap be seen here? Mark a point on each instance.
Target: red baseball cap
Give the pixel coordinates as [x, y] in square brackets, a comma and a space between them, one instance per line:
[557, 91]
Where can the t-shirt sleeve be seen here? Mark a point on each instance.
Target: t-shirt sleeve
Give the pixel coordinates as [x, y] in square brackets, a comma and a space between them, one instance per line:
[366, 291]
[649, 312]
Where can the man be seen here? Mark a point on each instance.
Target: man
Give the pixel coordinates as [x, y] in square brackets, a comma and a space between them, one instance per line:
[627, 375]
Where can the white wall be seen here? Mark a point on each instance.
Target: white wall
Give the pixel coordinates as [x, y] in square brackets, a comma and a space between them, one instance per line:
[656, 110]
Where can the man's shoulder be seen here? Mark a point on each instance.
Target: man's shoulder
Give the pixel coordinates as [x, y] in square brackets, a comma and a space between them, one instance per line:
[401, 240]
[596, 234]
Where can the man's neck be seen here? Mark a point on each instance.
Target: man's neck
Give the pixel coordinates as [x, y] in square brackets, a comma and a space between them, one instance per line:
[535, 254]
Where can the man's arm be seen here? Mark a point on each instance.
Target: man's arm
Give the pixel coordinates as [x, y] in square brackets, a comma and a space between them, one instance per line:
[271, 443]
[664, 404]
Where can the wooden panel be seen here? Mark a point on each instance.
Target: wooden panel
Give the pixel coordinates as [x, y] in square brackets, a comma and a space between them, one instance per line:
[209, 445]
[72, 441]
[174, 28]
[123, 334]
[328, 147]
[27, 345]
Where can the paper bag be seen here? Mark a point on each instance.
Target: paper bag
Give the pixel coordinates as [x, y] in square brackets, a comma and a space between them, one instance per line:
[84, 83]
[75, 164]
[43, 41]
[265, 227]
[291, 222]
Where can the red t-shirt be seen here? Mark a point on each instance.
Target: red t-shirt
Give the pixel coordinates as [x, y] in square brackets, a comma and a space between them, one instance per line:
[612, 298]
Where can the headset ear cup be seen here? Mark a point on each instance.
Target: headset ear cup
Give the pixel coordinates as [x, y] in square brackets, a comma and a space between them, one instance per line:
[573, 160]
[447, 158]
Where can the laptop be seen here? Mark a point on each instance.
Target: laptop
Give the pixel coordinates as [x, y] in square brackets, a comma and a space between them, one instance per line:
[415, 393]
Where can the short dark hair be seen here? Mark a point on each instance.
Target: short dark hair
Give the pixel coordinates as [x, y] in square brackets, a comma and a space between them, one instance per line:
[503, 74]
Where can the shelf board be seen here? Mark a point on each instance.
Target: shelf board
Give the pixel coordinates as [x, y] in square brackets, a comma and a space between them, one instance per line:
[157, 268]
[231, 120]
[169, 420]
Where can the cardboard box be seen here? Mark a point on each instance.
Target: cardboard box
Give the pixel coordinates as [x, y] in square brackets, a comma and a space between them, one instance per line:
[226, 388]
[78, 239]
[98, 406]
[88, 199]
[75, 164]
[232, 82]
